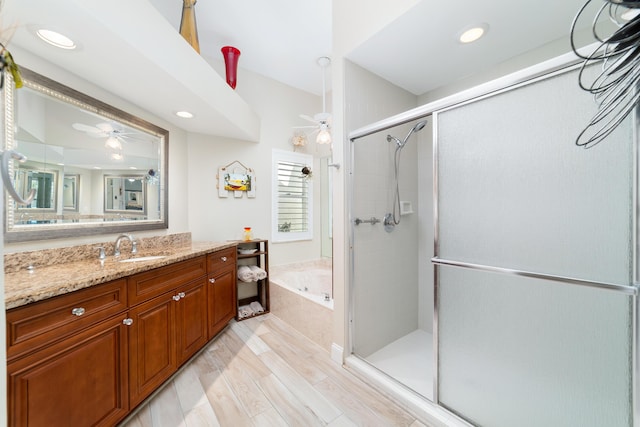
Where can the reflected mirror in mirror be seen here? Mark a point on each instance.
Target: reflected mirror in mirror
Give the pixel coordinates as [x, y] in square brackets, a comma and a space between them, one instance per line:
[96, 149]
[70, 192]
[28, 178]
[125, 194]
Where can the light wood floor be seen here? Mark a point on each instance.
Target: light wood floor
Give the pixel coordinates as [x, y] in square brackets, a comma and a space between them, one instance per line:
[262, 372]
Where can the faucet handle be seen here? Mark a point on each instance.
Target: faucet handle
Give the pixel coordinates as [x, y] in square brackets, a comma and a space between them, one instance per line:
[102, 254]
[134, 247]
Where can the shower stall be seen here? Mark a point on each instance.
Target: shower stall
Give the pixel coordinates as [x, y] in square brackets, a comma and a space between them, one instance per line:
[507, 292]
[392, 313]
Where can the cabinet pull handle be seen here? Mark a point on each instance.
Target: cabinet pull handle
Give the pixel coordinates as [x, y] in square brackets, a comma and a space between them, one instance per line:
[224, 259]
[212, 280]
[78, 311]
[176, 297]
[128, 321]
[181, 294]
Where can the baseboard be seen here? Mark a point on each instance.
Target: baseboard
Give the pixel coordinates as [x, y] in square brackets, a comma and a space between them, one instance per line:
[337, 353]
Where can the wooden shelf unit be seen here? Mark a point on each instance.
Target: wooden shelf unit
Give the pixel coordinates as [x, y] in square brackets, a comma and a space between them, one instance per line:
[260, 258]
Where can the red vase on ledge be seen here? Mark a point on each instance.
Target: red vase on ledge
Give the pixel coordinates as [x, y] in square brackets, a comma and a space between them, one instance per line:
[231, 56]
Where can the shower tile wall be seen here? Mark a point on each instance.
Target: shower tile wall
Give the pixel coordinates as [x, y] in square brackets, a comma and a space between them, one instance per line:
[386, 263]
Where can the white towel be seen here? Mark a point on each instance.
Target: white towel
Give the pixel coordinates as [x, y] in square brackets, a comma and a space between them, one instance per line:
[256, 307]
[258, 273]
[245, 274]
[245, 311]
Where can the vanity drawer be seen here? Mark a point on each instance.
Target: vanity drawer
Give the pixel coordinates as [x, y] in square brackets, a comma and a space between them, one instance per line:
[149, 284]
[221, 260]
[43, 322]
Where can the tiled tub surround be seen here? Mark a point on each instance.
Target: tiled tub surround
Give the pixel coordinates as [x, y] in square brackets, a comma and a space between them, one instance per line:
[305, 311]
[63, 270]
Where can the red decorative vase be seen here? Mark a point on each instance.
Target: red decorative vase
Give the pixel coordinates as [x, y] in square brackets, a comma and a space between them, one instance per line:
[231, 56]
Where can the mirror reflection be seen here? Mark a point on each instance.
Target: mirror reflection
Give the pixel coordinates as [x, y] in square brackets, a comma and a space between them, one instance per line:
[45, 184]
[125, 194]
[96, 169]
[70, 192]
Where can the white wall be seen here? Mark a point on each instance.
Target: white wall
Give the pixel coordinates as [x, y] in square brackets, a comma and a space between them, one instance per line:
[194, 160]
[215, 218]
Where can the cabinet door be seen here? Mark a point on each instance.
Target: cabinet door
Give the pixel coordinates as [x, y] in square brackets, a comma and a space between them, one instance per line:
[80, 381]
[152, 351]
[191, 319]
[221, 300]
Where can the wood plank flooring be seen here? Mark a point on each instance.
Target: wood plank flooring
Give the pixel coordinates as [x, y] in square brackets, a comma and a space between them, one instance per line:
[262, 372]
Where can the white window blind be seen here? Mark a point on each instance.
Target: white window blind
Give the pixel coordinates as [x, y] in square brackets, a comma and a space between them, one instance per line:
[292, 197]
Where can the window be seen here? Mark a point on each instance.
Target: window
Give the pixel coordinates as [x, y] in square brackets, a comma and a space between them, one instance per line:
[292, 217]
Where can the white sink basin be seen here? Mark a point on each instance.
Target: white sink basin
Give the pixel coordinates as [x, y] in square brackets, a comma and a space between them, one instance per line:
[143, 258]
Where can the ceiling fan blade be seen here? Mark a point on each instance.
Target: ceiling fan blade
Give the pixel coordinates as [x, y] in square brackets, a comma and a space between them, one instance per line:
[322, 117]
[85, 128]
[106, 127]
[309, 118]
[304, 127]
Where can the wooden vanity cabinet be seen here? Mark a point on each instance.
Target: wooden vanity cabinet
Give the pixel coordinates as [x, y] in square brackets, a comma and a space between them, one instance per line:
[167, 329]
[221, 267]
[89, 357]
[80, 376]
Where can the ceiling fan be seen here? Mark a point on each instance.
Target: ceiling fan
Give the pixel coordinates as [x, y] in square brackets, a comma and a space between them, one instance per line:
[114, 133]
[322, 120]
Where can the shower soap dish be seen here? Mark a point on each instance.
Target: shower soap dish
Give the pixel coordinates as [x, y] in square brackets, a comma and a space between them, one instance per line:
[406, 208]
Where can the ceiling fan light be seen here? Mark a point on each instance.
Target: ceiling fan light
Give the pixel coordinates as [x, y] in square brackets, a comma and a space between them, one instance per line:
[324, 137]
[113, 142]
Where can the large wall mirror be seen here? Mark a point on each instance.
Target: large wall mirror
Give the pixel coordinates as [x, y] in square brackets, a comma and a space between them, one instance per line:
[95, 169]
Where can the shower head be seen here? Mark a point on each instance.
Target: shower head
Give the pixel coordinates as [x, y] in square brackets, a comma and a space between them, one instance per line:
[417, 128]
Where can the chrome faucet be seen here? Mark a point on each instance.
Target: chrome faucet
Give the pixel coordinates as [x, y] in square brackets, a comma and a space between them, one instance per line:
[134, 245]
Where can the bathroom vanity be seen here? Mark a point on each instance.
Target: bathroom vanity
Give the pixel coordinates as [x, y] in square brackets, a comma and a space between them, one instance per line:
[89, 349]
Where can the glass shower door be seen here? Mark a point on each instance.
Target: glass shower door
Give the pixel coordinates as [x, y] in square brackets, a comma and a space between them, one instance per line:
[535, 261]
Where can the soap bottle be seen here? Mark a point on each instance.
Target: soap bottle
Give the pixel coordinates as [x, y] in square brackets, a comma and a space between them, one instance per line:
[247, 235]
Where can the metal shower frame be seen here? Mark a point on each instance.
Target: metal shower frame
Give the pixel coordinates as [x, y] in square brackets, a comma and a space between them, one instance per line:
[559, 65]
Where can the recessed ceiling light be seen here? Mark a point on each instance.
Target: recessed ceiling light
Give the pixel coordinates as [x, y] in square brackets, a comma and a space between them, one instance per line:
[56, 39]
[184, 114]
[472, 34]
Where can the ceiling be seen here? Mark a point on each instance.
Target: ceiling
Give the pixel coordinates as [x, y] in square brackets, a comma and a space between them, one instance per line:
[420, 50]
[281, 39]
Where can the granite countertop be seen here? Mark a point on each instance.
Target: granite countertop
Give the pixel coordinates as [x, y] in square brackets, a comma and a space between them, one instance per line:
[23, 286]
